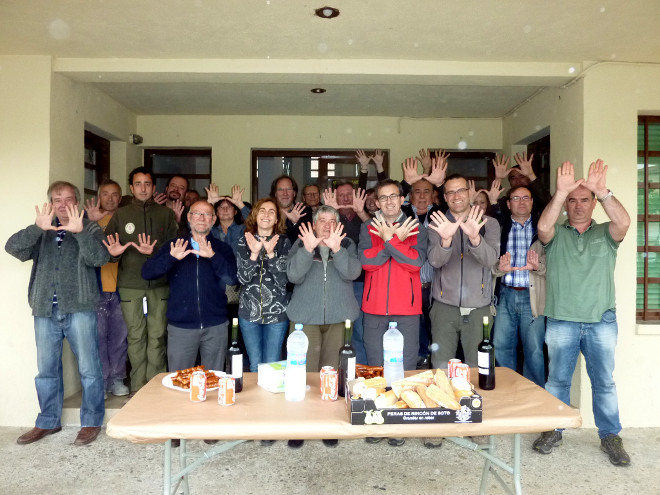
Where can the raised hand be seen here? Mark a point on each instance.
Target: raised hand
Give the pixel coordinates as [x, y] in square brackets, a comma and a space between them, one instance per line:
[501, 166]
[75, 223]
[473, 224]
[443, 226]
[178, 249]
[495, 191]
[596, 182]
[254, 245]
[160, 198]
[335, 238]
[212, 194]
[505, 262]
[425, 160]
[472, 191]
[310, 241]
[532, 261]
[359, 198]
[205, 250]
[377, 157]
[237, 196]
[177, 208]
[330, 198]
[525, 164]
[566, 182]
[93, 208]
[45, 217]
[145, 246]
[269, 246]
[410, 174]
[404, 230]
[114, 247]
[363, 159]
[439, 166]
[296, 212]
[382, 228]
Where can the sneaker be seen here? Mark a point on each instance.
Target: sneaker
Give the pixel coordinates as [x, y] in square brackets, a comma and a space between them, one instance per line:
[612, 445]
[432, 443]
[295, 444]
[330, 442]
[547, 441]
[118, 388]
[396, 442]
[267, 443]
[373, 439]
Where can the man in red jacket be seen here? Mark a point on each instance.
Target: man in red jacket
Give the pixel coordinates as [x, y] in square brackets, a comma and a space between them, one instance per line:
[392, 250]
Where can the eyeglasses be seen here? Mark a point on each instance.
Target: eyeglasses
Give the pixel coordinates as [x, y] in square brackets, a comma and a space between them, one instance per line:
[391, 197]
[520, 198]
[451, 194]
[201, 214]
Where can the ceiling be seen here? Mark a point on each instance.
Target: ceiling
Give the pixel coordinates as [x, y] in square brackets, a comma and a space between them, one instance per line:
[418, 58]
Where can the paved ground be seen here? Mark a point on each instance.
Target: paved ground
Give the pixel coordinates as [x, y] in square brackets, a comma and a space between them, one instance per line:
[55, 466]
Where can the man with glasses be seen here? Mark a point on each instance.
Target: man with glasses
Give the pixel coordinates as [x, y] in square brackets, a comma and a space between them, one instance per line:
[134, 233]
[463, 246]
[197, 267]
[312, 196]
[285, 191]
[521, 289]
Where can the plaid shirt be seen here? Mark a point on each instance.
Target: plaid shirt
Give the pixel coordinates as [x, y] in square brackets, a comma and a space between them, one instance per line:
[518, 243]
[426, 272]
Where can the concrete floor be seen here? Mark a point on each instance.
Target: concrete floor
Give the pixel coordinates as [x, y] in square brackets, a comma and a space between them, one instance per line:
[55, 466]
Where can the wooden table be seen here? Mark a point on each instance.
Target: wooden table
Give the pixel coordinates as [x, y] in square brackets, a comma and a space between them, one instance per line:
[157, 414]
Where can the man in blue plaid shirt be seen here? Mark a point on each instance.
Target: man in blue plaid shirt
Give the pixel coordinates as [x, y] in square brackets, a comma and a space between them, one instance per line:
[522, 289]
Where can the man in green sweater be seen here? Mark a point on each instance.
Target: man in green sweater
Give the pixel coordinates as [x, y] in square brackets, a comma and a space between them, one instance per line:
[134, 233]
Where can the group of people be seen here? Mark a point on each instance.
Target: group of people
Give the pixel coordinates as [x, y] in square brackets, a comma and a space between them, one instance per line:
[116, 281]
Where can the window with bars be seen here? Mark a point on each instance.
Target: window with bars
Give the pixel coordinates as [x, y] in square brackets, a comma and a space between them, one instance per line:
[648, 219]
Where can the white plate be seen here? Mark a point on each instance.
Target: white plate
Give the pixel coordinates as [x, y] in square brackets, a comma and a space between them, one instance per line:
[167, 381]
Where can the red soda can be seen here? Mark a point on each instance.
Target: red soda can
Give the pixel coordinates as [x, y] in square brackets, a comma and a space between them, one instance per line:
[226, 391]
[324, 371]
[198, 386]
[329, 384]
[451, 367]
[463, 371]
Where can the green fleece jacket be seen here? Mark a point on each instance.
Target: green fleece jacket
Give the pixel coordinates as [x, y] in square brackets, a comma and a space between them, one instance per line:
[129, 221]
[69, 270]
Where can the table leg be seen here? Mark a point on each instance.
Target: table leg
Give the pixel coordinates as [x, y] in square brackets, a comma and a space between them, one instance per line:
[167, 468]
[183, 463]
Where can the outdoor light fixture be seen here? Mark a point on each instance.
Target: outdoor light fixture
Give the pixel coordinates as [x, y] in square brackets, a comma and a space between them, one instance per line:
[317, 91]
[327, 12]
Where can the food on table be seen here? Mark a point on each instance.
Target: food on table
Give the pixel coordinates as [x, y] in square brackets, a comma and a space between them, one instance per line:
[368, 371]
[182, 377]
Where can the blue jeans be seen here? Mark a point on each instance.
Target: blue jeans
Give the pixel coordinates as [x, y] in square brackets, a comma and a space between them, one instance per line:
[597, 342]
[515, 320]
[80, 330]
[357, 340]
[263, 342]
[425, 324]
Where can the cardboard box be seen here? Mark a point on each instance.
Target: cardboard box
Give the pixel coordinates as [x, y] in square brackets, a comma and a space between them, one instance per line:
[364, 411]
[271, 376]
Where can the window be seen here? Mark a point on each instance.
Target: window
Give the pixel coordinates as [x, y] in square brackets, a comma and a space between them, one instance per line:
[322, 167]
[193, 164]
[648, 219]
[97, 162]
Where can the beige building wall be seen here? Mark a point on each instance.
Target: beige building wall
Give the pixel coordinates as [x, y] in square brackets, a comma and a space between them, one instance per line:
[597, 118]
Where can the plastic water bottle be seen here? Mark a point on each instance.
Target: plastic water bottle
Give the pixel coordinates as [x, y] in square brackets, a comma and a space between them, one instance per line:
[295, 376]
[392, 354]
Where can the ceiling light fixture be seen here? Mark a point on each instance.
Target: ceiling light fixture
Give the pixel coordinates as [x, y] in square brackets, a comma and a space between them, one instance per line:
[318, 91]
[327, 12]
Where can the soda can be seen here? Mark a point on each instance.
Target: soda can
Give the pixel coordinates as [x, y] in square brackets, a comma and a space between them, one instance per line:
[226, 389]
[330, 383]
[451, 367]
[323, 372]
[463, 371]
[198, 386]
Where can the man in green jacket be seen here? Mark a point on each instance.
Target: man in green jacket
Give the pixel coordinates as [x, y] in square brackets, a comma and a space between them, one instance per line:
[134, 233]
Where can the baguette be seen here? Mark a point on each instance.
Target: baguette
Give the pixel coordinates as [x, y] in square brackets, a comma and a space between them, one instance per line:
[428, 402]
[443, 399]
[412, 399]
[401, 404]
[462, 388]
[376, 382]
[442, 382]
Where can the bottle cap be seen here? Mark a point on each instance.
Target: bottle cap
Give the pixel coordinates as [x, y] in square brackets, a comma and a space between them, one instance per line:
[348, 323]
[299, 326]
[234, 321]
[485, 320]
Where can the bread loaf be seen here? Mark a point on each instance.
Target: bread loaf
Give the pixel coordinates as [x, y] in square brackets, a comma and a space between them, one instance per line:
[428, 402]
[443, 398]
[388, 399]
[412, 399]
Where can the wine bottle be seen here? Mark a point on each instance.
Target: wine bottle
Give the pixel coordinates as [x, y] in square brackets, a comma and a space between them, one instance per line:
[486, 359]
[346, 360]
[234, 365]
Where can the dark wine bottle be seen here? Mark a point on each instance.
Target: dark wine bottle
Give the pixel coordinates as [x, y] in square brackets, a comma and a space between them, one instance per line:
[234, 365]
[486, 360]
[346, 360]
